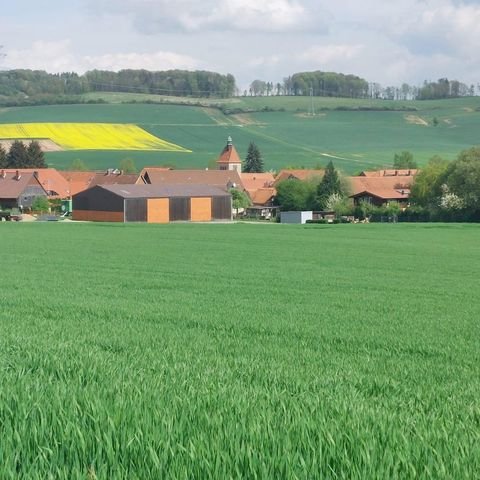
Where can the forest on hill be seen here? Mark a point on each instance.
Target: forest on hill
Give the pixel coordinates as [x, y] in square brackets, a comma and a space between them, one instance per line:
[32, 87]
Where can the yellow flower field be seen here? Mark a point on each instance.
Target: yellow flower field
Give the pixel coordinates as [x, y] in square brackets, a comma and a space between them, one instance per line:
[89, 136]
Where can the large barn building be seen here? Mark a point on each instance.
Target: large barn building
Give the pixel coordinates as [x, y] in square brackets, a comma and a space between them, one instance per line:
[152, 203]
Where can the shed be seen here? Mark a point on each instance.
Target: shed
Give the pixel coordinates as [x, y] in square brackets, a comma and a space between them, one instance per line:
[152, 203]
[295, 217]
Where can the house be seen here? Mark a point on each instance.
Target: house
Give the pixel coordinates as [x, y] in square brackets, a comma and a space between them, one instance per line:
[381, 190]
[224, 179]
[229, 158]
[259, 187]
[298, 174]
[390, 173]
[19, 190]
[152, 203]
[52, 181]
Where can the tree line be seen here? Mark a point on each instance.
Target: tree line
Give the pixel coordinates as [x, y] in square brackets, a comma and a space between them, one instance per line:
[20, 155]
[330, 84]
[171, 82]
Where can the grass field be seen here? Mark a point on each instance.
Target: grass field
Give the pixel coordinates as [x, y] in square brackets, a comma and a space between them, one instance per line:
[89, 136]
[239, 351]
[356, 139]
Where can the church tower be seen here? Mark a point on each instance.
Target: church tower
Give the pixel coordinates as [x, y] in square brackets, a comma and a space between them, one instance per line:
[229, 159]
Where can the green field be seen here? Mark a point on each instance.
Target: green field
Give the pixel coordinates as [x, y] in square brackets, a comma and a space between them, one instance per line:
[239, 351]
[357, 139]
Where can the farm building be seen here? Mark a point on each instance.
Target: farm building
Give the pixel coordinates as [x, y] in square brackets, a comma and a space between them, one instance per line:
[382, 189]
[19, 190]
[224, 179]
[152, 203]
[51, 180]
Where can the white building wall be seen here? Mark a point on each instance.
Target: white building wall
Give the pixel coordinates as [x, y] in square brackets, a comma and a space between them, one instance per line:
[295, 217]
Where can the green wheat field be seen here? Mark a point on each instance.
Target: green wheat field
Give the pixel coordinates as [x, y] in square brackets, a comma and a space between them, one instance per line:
[239, 351]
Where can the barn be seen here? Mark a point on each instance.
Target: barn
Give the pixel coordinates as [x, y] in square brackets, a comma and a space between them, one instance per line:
[152, 203]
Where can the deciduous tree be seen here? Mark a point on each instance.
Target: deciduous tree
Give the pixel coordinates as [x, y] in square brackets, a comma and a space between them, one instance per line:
[404, 160]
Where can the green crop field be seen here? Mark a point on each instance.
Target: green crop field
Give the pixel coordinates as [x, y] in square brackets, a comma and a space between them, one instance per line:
[239, 351]
[341, 130]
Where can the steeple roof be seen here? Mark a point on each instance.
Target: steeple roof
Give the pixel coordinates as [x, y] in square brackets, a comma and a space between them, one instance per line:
[229, 154]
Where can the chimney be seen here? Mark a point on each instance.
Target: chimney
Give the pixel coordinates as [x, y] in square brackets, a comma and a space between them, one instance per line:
[17, 175]
[35, 174]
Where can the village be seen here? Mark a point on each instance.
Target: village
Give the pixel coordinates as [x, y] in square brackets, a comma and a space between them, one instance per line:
[163, 195]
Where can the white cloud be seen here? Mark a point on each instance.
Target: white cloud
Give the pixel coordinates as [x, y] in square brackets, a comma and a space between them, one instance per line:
[155, 16]
[58, 57]
[325, 55]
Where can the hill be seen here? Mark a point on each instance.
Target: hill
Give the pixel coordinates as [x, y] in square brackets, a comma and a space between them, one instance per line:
[356, 133]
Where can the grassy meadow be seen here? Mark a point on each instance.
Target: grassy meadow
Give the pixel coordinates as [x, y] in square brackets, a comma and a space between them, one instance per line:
[239, 351]
[341, 130]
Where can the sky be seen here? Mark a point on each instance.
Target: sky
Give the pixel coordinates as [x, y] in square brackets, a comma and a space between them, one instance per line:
[384, 41]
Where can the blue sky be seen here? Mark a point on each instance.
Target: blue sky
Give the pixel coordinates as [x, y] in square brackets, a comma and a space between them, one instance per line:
[390, 42]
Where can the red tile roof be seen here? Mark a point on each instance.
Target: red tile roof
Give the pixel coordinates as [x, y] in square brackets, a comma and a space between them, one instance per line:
[107, 178]
[11, 186]
[53, 182]
[385, 188]
[299, 174]
[78, 181]
[262, 196]
[229, 155]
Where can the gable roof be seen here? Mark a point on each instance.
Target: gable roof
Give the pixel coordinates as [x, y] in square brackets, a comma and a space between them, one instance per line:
[298, 174]
[78, 181]
[12, 187]
[218, 178]
[52, 181]
[385, 188]
[163, 191]
[263, 196]
[254, 181]
[108, 178]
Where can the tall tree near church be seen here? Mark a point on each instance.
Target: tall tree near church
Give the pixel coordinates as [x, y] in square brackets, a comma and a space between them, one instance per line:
[253, 162]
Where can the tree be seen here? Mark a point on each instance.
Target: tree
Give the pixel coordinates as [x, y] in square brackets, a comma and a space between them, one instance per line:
[404, 160]
[462, 178]
[425, 189]
[78, 166]
[3, 157]
[258, 87]
[239, 200]
[127, 165]
[36, 158]
[40, 204]
[253, 161]
[295, 195]
[329, 185]
[17, 156]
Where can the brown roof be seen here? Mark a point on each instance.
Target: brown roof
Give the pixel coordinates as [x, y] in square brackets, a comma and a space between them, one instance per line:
[78, 181]
[108, 178]
[218, 178]
[11, 186]
[299, 174]
[263, 195]
[386, 188]
[164, 191]
[390, 173]
[254, 181]
[53, 182]
[229, 155]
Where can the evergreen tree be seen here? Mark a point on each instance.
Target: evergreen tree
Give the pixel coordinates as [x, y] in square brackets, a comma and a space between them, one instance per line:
[17, 157]
[3, 157]
[36, 158]
[253, 162]
[329, 185]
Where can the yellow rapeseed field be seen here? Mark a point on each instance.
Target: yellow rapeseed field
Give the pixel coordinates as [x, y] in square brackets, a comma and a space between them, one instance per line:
[90, 136]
